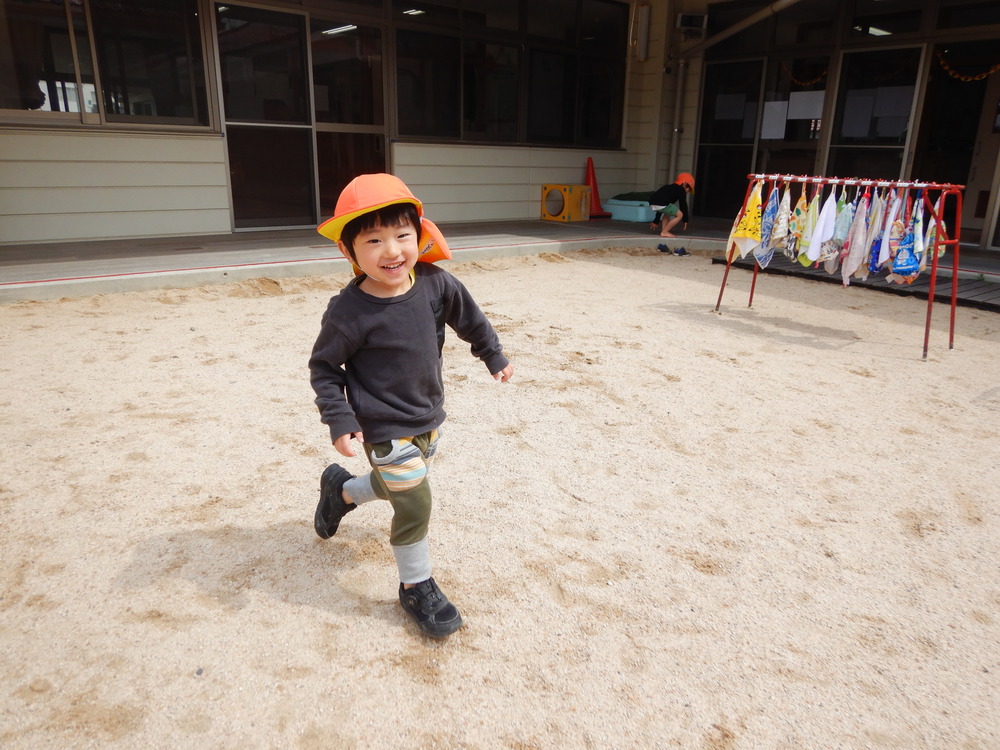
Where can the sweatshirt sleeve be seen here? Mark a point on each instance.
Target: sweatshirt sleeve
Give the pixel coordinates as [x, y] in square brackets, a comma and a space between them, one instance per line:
[328, 377]
[465, 317]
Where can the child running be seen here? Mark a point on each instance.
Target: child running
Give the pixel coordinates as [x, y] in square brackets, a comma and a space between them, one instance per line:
[376, 371]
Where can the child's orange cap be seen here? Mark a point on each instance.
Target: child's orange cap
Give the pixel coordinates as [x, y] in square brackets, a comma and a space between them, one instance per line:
[370, 192]
[366, 192]
[685, 178]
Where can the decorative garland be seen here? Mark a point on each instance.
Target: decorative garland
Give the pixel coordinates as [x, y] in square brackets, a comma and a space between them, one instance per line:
[797, 82]
[954, 74]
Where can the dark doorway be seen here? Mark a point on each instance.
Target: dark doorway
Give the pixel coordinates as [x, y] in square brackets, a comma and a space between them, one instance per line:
[956, 144]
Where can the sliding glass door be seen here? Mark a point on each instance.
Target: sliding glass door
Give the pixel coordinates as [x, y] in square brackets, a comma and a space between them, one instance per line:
[268, 115]
[349, 89]
[296, 136]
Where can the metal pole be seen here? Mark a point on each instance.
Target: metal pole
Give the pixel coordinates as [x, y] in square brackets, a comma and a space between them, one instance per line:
[954, 271]
[939, 227]
[729, 250]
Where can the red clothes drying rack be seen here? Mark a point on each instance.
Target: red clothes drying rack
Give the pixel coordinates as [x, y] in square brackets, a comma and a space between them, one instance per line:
[942, 237]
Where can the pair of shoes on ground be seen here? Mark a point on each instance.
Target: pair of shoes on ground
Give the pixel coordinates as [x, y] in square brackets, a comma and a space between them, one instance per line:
[426, 603]
[679, 251]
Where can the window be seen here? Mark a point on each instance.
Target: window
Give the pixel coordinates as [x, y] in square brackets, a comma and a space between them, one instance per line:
[728, 126]
[442, 13]
[38, 67]
[793, 99]
[956, 14]
[602, 87]
[792, 117]
[490, 14]
[347, 73]
[876, 94]
[871, 18]
[427, 83]
[490, 91]
[263, 59]
[552, 19]
[148, 58]
[729, 114]
[873, 113]
[603, 28]
[552, 77]
[813, 23]
[464, 70]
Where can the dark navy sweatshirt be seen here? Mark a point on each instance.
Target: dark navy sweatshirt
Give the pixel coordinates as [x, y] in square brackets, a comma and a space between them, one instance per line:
[376, 365]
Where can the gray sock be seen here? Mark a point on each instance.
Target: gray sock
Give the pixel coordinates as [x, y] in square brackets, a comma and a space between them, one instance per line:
[360, 489]
[413, 561]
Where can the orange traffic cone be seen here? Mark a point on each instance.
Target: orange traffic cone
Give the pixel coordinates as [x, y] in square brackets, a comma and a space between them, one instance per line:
[596, 211]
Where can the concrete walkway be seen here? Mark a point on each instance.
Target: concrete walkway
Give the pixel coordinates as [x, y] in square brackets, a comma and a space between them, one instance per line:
[78, 269]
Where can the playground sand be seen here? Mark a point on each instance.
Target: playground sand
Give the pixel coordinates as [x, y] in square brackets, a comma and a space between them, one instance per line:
[760, 528]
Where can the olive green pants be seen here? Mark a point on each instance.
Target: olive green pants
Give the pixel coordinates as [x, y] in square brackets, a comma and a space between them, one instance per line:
[399, 474]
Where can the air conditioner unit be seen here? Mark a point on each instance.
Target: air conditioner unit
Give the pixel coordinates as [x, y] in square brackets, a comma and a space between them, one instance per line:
[692, 21]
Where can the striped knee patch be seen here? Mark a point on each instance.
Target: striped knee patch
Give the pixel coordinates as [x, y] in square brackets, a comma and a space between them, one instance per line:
[403, 468]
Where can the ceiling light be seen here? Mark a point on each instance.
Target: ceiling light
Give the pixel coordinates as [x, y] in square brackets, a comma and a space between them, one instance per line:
[340, 29]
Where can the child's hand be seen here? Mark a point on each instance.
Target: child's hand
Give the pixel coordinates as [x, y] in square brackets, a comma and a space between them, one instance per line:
[505, 374]
[343, 443]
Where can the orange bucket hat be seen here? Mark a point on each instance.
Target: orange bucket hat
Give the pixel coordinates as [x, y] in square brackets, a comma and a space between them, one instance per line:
[370, 192]
[685, 178]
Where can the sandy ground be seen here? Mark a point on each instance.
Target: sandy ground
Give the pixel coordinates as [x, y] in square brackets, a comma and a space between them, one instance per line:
[767, 528]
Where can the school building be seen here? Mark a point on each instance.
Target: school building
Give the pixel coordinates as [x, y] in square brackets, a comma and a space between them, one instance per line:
[140, 118]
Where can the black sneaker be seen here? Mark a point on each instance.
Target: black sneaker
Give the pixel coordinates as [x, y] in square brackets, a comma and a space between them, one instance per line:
[663, 248]
[331, 506]
[681, 251]
[436, 616]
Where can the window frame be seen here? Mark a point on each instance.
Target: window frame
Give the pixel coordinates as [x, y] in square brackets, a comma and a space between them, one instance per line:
[101, 119]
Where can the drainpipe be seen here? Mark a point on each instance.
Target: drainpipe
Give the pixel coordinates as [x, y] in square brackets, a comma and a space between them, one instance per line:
[680, 78]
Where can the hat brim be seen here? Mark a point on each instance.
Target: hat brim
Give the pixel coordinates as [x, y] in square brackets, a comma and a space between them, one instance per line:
[333, 228]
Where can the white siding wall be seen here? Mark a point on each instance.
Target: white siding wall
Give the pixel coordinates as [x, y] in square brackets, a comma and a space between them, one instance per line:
[58, 187]
[472, 183]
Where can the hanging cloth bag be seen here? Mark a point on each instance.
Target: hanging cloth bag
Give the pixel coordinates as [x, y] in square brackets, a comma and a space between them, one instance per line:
[905, 266]
[779, 235]
[808, 230]
[765, 250]
[746, 235]
[885, 249]
[824, 227]
[796, 223]
[854, 248]
[841, 228]
[876, 217]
